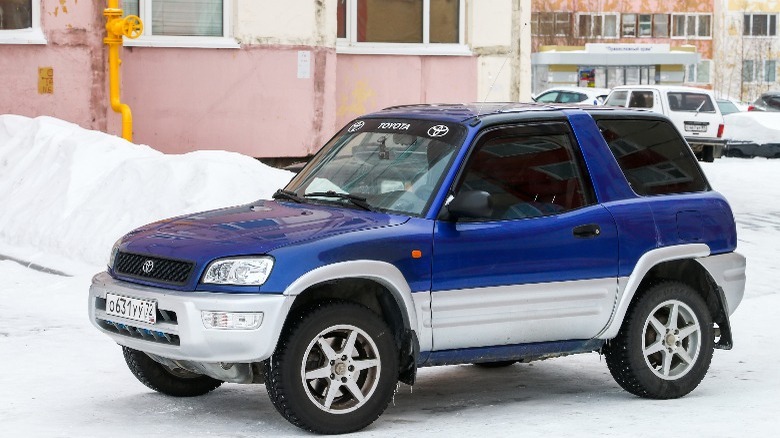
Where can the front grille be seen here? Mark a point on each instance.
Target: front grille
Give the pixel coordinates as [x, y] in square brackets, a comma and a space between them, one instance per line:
[153, 268]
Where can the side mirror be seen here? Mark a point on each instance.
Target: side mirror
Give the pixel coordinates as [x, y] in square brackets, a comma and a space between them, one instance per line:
[471, 204]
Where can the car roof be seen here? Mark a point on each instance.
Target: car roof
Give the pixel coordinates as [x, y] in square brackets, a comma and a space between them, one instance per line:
[680, 88]
[496, 112]
[589, 90]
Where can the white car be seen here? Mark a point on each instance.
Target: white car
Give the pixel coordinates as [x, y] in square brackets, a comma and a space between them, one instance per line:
[574, 95]
[692, 110]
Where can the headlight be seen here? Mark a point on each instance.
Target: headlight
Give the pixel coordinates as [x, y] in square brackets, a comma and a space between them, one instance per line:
[114, 251]
[249, 271]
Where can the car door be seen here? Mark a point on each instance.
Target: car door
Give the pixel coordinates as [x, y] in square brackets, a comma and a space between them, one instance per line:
[543, 265]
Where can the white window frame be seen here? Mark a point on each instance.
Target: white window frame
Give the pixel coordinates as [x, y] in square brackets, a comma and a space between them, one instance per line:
[693, 72]
[602, 18]
[30, 35]
[695, 36]
[768, 35]
[752, 78]
[765, 69]
[226, 41]
[350, 45]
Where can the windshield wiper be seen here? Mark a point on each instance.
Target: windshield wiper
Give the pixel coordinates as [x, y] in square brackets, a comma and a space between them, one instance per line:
[354, 199]
[286, 194]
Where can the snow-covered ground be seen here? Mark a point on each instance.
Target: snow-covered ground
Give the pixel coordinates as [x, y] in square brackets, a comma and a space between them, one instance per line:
[66, 194]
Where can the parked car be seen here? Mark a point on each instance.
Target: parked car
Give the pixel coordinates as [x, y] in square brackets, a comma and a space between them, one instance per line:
[769, 101]
[693, 111]
[573, 95]
[727, 107]
[430, 235]
[753, 134]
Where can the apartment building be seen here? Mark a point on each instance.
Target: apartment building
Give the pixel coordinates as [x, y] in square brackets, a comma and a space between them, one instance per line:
[748, 49]
[604, 43]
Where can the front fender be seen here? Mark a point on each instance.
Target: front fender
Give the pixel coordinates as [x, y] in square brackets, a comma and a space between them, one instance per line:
[382, 272]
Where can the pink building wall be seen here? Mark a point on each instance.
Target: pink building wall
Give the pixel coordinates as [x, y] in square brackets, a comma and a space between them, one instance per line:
[73, 51]
[371, 82]
[248, 100]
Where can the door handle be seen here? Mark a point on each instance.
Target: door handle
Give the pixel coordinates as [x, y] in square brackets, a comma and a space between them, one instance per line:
[586, 231]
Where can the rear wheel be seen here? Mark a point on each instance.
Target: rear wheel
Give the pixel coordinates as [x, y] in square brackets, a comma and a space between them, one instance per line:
[175, 382]
[335, 369]
[708, 154]
[665, 345]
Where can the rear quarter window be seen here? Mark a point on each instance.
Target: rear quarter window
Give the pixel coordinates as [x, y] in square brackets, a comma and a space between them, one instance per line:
[653, 157]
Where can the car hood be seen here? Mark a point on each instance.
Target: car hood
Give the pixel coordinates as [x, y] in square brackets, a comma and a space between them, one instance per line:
[252, 229]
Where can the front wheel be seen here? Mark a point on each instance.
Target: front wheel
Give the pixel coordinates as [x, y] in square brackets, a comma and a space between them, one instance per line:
[665, 345]
[176, 382]
[335, 369]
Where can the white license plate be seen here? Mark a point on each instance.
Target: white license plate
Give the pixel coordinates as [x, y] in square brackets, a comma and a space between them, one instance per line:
[131, 308]
[696, 128]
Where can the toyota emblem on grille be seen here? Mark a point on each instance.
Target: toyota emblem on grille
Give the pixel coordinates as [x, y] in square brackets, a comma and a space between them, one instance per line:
[148, 266]
[438, 131]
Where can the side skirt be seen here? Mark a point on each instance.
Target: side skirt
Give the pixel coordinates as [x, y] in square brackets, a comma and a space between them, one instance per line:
[519, 352]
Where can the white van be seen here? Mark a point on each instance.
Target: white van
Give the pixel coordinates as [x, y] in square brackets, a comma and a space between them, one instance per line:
[693, 111]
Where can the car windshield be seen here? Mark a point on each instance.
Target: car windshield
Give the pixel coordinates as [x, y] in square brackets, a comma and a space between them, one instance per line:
[383, 165]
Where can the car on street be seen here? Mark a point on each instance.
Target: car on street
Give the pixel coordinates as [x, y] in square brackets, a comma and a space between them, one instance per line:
[769, 101]
[693, 111]
[430, 235]
[753, 134]
[727, 106]
[573, 95]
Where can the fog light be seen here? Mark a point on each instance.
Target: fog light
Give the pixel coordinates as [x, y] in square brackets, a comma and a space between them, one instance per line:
[231, 320]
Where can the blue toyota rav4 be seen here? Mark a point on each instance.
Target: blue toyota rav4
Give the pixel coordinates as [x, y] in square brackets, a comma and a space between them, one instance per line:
[433, 235]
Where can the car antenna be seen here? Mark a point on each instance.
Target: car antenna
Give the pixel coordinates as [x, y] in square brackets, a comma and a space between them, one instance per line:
[479, 111]
[481, 104]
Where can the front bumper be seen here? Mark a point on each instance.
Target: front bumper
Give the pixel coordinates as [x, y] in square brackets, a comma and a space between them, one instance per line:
[179, 332]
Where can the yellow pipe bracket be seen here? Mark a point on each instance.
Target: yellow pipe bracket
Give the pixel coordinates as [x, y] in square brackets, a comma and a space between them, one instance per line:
[117, 27]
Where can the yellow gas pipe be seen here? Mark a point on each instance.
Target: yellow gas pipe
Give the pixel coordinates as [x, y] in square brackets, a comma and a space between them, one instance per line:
[116, 26]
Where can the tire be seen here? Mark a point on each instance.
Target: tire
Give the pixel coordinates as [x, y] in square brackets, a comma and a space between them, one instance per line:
[317, 385]
[174, 382]
[708, 154]
[497, 364]
[659, 357]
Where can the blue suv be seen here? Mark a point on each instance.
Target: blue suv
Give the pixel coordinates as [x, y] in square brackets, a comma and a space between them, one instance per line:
[435, 235]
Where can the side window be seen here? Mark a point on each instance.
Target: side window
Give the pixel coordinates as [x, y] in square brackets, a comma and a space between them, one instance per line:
[641, 99]
[617, 98]
[653, 156]
[529, 172]
[552, 96]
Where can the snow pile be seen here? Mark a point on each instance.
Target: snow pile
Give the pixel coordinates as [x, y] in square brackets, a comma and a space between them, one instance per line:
[72, 192]
[755, 126]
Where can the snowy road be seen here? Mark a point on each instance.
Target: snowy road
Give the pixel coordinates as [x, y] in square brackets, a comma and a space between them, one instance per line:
[59, 377]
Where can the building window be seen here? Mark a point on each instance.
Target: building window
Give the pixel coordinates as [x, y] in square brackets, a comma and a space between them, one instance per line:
[748, 72]
[661, 25]
[700, 73]
[20, 22]
[597, 25]
[551, 23]
[398, 26]
[770, 71]
[645, 25]
[691, 26]
[182, 23]
[759, 25]
[629, 25]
